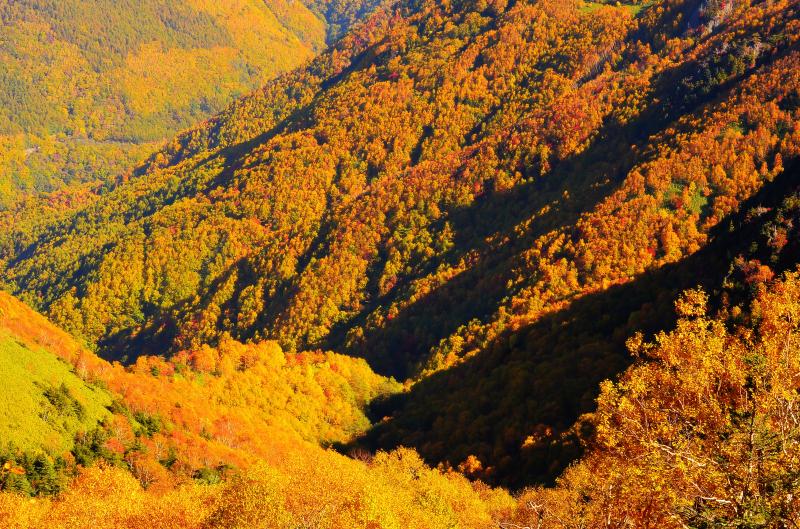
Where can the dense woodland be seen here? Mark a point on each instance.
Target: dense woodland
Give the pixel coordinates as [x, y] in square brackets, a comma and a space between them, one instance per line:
[546, 245]
[701, 432]
[90, 87]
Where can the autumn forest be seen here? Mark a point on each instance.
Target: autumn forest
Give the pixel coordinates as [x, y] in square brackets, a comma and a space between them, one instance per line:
[333, 264]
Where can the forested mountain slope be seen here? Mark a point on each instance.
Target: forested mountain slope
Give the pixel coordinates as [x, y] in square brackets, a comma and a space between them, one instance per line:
[700, 431]
[149, 446]
[87, 86]
[476, 196]
[202, 409]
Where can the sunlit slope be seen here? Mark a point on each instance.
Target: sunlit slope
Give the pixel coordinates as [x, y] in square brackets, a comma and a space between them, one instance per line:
[200, 415]
[247, 415]
[43, 402]
[87, 87]
[138, 70]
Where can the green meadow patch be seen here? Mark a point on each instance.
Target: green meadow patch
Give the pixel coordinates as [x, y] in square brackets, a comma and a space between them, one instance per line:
[43, 403]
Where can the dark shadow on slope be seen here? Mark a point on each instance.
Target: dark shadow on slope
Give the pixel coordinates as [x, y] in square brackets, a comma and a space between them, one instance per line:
[573, 187]
[476, 292]
[126, 345]
[535, 382]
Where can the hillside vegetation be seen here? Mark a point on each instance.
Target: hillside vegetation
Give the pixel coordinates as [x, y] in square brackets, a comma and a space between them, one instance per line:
[701, 431]
[249, 415]
[89, 88]
[208, 408]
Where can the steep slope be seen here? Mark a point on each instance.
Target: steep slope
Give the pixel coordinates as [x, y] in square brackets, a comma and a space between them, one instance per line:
[204, 409]
[87, 86]
[43, 400]
[701, 432]
[454, 192]
[157, 455]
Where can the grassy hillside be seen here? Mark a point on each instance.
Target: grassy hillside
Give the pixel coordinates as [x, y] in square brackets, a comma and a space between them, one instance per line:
[44, 402]
[453, 192]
